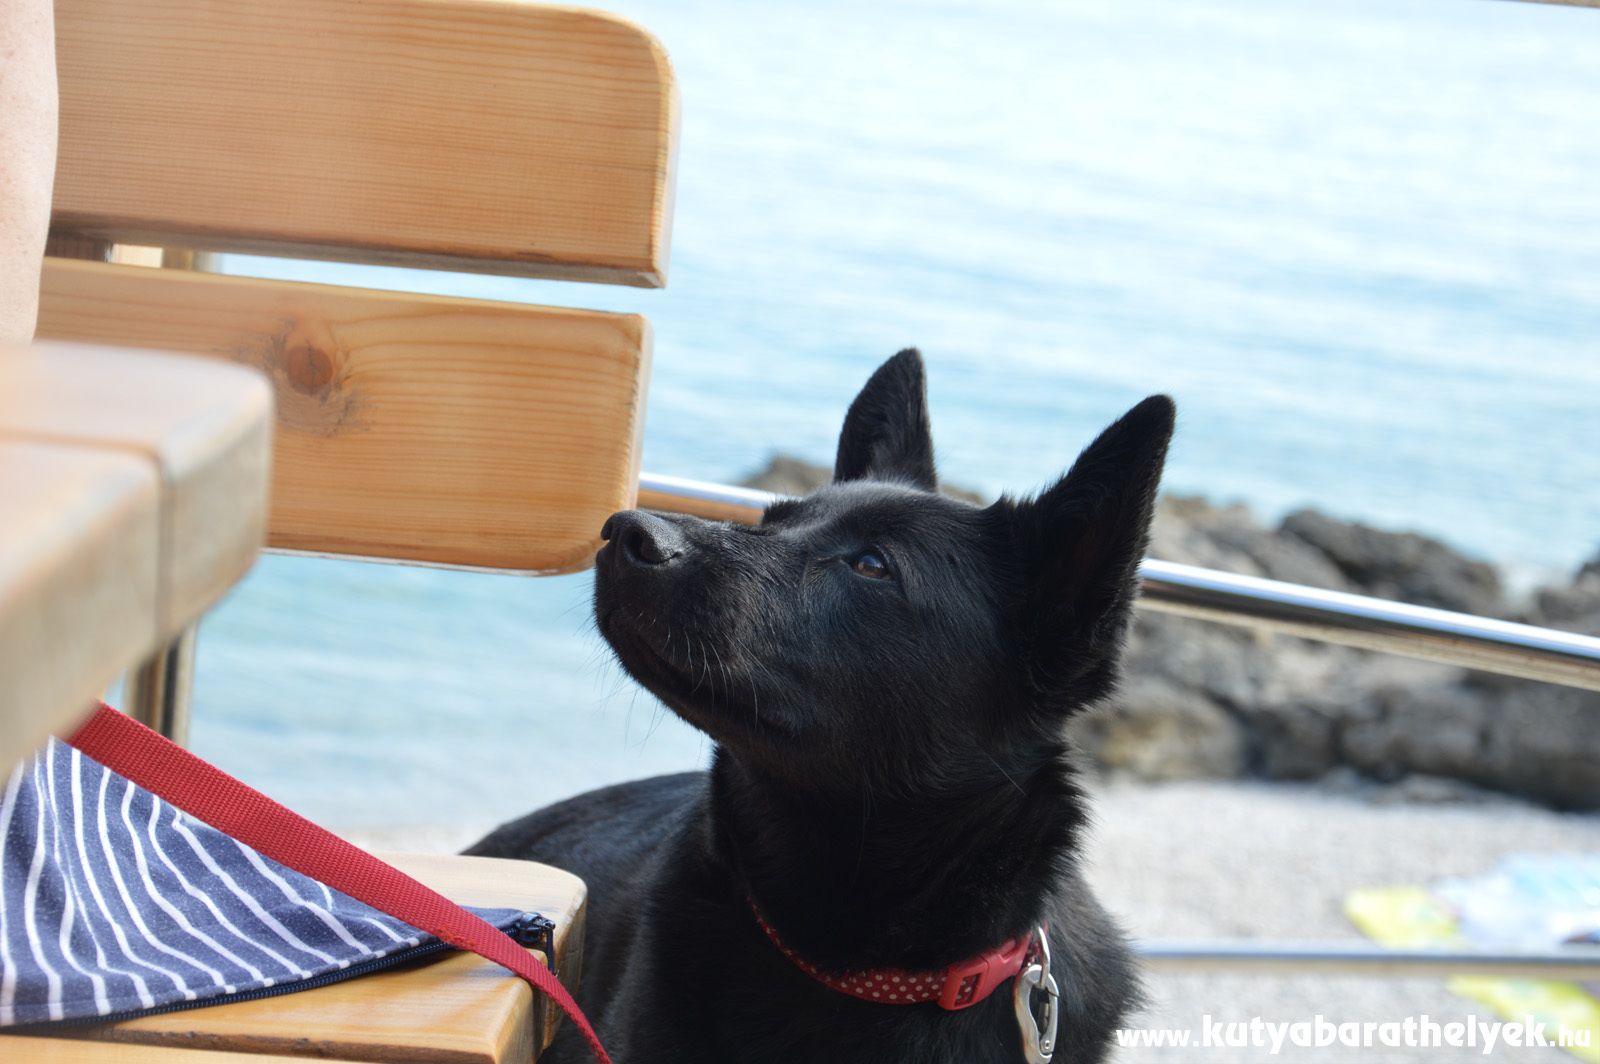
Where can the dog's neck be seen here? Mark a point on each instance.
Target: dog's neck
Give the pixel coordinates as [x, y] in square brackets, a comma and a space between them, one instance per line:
[855, 879]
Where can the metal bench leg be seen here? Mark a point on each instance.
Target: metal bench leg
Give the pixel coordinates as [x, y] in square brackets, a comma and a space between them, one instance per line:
[158, 691]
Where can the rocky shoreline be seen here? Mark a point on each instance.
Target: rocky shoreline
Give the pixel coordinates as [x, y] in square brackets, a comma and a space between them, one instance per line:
[1203, 700]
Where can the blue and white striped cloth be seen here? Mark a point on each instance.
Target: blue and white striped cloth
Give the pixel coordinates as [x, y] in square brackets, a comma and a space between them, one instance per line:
[113, 902]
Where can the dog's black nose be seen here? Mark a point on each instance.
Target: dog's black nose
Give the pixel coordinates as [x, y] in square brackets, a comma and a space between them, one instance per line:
[643, 539]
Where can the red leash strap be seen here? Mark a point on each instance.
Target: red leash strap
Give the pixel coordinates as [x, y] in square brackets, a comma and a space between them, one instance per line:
[205, 792]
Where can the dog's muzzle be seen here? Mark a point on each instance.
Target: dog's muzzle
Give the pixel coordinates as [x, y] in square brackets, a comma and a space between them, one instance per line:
[643, 539]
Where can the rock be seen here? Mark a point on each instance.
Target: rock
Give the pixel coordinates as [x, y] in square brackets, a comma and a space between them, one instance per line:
[1401, 565]
[787, 475]
[1590, 571]
[1575, 608]
[1162, 731]
[1543, 740]
[1301, 710]
[1395, 730]
[1192, 531]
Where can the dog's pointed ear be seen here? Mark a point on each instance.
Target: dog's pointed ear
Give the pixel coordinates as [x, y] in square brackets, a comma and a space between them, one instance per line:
[1080, 544]
[886, 434]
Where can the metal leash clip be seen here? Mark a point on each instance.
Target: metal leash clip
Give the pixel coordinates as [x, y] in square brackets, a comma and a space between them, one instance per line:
[1038, 1024]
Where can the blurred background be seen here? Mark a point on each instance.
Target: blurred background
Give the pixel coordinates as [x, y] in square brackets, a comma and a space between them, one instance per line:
[1354, 240]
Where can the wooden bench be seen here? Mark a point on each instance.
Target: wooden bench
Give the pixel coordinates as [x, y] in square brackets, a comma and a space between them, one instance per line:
[469, 135]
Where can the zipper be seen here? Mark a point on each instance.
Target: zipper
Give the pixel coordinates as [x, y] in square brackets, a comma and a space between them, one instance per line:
[537, 930]
[528, 929]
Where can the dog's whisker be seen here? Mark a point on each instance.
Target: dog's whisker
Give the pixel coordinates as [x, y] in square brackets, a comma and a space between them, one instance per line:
[656, 717]
[727, 678]
[694, 677]
[709, 648]
[1006, 774]
[754, 663]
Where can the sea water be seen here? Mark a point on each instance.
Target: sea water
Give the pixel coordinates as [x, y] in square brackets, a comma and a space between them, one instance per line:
[1358, 241]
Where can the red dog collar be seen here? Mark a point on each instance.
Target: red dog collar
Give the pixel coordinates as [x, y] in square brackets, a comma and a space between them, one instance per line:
[955, 986]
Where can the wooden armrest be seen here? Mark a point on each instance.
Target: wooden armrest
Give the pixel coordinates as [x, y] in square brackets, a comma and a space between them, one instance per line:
[458, 1008]
[78, 561]
[134, 492]
[29, 1049]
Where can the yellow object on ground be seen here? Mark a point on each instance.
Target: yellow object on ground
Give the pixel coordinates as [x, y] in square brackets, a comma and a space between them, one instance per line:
[1410, 917]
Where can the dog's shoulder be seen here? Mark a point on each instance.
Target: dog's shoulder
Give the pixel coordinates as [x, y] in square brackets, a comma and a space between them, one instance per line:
[603, 831]
[641, 848]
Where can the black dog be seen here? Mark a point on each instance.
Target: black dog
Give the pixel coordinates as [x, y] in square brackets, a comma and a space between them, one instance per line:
[886, 673]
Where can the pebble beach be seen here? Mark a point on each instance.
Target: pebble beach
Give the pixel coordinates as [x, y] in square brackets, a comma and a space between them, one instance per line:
[1218, 859]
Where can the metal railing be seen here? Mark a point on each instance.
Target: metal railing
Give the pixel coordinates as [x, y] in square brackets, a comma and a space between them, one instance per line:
[1503, 647]
[1247, 957]
[1330, 616]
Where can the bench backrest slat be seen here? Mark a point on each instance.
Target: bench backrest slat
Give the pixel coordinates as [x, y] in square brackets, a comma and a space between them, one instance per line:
[420, 428]
[453, 134]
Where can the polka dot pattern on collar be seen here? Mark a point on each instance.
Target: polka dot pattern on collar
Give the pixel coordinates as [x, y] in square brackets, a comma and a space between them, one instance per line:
[897, 986]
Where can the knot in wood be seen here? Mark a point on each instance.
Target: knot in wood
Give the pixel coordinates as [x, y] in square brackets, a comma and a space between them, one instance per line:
[308, 367]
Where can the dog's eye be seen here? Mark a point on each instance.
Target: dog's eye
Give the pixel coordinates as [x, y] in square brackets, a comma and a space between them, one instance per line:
[871, 565]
